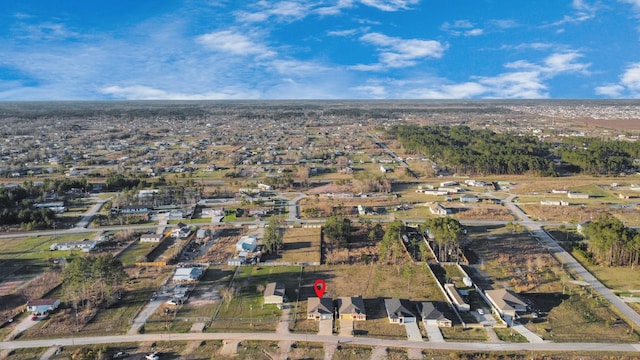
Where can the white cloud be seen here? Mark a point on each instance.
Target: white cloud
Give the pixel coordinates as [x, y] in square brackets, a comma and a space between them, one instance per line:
[371, 91]
[281, 10]
[630, 79]
[349, 32]
[628, 85]
[610, 90]
[396, 52]
[634, 3]
[562, 62]
[583, 11]
[503, 23]
[140, 92]
[231, 42]
[461, 27]
[474, 32]
[334, 9]
[390, 5]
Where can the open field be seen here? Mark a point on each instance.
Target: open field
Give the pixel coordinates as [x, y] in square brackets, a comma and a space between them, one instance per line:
[243, 308]
[372, 281]
[301, 245]
[528, 269]
[352, 352]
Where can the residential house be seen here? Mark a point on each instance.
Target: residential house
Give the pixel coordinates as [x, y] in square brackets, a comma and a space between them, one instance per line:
[320, 308]
[201, 234]
[506, 302]
[132, 210]
[433, 313]
[42, 306]
[247, 243]
[456, 298]
[187, 274]
[352, 308]
[438, 209]
[180, 231]
[469, 199]
[85, 246]
[152, 238]
[399, 311]
[274, 293]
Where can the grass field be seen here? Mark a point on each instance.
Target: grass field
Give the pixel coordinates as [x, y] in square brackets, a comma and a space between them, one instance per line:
[509, 335]
[352, 352]
[301, 245]
[245, 310]
[136, 251]
[372, 281]
[460, 334]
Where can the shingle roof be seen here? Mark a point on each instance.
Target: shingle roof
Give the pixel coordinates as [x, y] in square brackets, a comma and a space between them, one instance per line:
[397, 308]
[351, 305]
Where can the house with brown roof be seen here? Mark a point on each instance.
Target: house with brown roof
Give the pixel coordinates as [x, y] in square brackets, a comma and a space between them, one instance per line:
[274, 293]
[319, 308]
[506, 302]
[352, 308]
[42, 306]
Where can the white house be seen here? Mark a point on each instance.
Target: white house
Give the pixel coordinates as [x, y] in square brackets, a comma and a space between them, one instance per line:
[438, 209]
[247, 243]
[42, 306]
[85, 246]
[456, 298]
[188, 274]
[152, 238]
[274, 293]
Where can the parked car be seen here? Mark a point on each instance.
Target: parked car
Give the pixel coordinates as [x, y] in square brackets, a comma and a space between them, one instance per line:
[153, 356]
[480, 311]
[120, 355]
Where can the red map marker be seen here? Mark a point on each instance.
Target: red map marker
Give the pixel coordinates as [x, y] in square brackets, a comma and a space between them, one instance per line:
[319, 286]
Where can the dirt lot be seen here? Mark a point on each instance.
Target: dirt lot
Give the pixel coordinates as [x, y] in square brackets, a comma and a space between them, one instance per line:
[224, 246]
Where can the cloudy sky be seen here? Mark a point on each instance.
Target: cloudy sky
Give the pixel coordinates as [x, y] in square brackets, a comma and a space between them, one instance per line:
[319, 49]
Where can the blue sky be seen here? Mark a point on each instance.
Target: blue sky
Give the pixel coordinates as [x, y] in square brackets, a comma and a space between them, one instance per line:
[318, 49]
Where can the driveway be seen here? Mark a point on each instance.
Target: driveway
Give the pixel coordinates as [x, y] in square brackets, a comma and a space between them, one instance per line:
[325, 327]
[434, 334]
[413, 331]
[531, 337]
[346, 326]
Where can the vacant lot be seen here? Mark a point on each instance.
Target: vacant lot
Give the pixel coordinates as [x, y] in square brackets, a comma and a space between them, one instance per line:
[569, 313]
[301, 245]
[372, 281]
[243, 308]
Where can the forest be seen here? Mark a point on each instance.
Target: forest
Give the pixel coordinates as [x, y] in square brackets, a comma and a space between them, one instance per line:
[610, 243]
[476, 152]
[484, 152]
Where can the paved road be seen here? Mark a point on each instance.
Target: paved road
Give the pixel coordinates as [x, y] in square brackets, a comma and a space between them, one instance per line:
[483, 346]
[574, 266]
[294, 206]
[86, 219]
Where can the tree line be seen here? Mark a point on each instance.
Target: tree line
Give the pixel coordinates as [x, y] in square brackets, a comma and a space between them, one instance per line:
[484, 152]
[476, 152]
[610, 243]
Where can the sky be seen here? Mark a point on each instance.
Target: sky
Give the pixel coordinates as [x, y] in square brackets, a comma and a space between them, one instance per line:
[319, 49]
